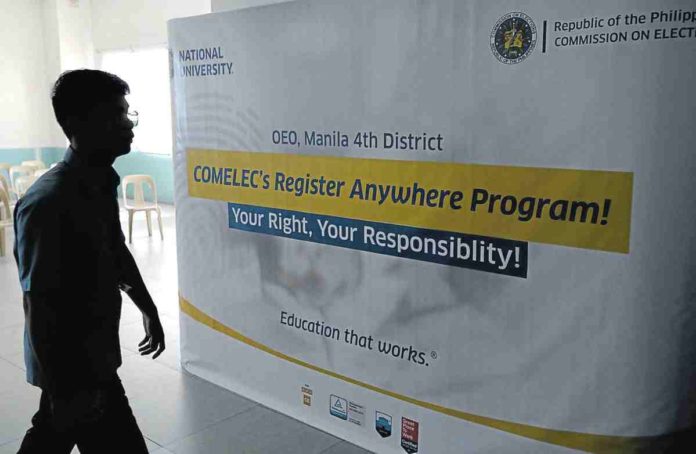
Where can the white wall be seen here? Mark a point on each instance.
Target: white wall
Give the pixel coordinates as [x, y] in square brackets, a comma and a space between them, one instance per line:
[51, 38]
[42, 38]
[138, 23]
[52, 64]
[67, 39]
[25, 107]
[75, 33]
[229, 5]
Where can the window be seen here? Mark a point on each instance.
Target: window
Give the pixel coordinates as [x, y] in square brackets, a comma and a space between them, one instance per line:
[147, 74]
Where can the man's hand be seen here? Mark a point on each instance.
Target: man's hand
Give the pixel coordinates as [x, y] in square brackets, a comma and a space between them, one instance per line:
[154, 336]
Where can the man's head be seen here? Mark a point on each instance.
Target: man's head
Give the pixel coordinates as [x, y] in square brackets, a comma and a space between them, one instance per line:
[91, 108]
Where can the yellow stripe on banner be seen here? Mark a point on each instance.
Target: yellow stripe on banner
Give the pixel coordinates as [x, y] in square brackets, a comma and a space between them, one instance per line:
[589, 209]
[583, 441]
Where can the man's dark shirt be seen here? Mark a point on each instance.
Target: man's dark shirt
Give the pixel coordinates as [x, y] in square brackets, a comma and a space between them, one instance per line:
[68, 242]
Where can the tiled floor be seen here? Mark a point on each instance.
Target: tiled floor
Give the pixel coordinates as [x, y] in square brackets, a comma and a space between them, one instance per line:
[177, 412]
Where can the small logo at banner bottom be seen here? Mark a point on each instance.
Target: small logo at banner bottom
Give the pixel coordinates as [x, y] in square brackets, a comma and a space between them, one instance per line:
[409, 435]
[383, 424]
[356, 414]
[307, 395]
[513, 38]
[338, 407]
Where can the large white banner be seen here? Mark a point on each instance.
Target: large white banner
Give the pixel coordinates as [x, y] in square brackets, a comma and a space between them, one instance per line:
[444, 226]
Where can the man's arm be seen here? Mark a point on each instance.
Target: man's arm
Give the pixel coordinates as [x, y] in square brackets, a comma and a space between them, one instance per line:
[132, 283]
[37, 251]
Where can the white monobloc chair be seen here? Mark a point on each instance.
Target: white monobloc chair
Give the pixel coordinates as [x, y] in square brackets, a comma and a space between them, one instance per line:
[5, 185]
[35, 163]
[5, 168]
[16, 172]
[5, 175]
[23, 183]
[138, 202]
[5, 217]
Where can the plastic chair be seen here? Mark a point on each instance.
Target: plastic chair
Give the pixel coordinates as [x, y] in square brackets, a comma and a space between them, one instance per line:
[139, 204]
[5, 167]
[5, 217]
[16, 172]
[23, 183]
[36, 164]
[5, 186]
[5, 171]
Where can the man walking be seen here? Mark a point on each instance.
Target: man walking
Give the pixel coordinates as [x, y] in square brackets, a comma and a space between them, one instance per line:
[73, 262]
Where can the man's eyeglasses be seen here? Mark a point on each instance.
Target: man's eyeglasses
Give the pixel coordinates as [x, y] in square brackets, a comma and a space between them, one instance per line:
[133, 117]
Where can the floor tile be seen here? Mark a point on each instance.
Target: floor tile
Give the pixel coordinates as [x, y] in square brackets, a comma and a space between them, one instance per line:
[345, 448]
[16, 359]
[170, 405]
[125, 353]
[18, 403]
[12, 339]
[13, 447]
[152, 446]
[9, 279]
[11, 311]
[16, 409]
[11, 377]
[258, 430]
[158, 451]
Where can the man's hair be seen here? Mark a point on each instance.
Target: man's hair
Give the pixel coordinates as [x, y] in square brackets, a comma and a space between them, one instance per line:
[76, 92]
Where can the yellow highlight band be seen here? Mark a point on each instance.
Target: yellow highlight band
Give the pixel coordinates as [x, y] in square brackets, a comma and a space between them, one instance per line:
[491, 218]
[576, 440]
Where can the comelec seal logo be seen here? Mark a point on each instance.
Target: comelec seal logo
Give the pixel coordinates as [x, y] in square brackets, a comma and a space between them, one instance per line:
[513, 38]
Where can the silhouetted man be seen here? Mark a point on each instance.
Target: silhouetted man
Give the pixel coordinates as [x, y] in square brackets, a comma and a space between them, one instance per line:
[73, 262]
